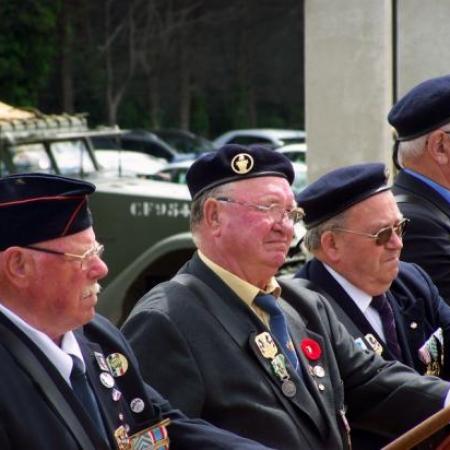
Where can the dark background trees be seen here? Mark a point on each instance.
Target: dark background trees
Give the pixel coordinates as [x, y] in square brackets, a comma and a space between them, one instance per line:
[204, 65]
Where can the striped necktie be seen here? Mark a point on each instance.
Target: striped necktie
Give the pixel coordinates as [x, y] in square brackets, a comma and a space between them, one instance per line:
[382, 305]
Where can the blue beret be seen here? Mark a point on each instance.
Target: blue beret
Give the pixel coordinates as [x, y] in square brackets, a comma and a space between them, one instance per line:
[234, 162]
[36, 207]
[424, 108]
[339, 189]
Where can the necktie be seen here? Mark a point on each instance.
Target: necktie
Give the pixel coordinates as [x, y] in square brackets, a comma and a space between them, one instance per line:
[381, 304]
[84, 393]
[278, 326]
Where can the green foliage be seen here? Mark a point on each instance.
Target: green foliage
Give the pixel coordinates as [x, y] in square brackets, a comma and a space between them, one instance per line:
[28, 43]
[199, 115]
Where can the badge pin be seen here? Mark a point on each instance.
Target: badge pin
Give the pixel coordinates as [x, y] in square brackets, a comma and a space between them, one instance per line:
[266, 345]
[137, 405]
[242, 163]
[116, 394]
[122, 438]
[321, 387]
[319, 371]
[413, 325]
[279, 367]
[288, 388]
[117, 363]
[101, 361]
[376, 346]
[107, 380]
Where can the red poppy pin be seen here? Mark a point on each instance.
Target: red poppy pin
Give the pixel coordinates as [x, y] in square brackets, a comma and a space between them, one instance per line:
[311, 349]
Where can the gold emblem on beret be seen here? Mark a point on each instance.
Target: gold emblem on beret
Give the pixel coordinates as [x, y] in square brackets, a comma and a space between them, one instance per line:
[242, 163]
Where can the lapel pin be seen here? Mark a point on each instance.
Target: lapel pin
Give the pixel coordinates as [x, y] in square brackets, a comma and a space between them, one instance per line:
[137, 405]
[107, 380]
[117, 364]
[311, 349]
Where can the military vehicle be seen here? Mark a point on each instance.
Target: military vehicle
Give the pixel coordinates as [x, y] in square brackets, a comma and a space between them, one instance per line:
[144, 224]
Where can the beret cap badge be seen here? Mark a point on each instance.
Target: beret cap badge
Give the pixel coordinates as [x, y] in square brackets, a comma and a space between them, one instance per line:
[242, 163]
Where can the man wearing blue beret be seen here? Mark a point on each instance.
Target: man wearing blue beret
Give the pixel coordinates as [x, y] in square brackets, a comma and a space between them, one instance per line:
[68, 378]
[421, 119]
[233, 351]
[355, 230]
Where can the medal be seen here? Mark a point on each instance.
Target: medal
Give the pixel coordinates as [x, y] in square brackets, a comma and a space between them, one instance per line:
[101, 362]
[266, 345]
[279, 367]
[376, 346]
[116, 394]
[288, 388]
[319, 371]
[117, 364]
[107, 380]
[137, 405]
[122, 439]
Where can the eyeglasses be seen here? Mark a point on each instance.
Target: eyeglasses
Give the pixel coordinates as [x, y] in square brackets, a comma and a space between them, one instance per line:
[384, 235]
[84, 259]
[276, 212]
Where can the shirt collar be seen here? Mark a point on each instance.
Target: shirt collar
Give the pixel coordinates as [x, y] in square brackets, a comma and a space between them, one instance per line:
[361, 298]
[58, 356]
[244, 290]
[445, 193]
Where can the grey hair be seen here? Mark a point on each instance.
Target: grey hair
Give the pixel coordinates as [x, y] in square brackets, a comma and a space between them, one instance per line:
[311, 240]
[198, 204]
[411, 150]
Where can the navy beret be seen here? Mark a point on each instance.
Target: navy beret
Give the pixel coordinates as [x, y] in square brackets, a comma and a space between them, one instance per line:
[424, 108]
[36, 207]
[234, 162]
[339, 189]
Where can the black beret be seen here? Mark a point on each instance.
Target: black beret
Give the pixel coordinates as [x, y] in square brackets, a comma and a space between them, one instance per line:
[339, 189]
[36, 207]
[424, 108]
[234, 162]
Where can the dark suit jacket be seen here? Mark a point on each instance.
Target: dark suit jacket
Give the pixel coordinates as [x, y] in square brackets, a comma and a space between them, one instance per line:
[427, 238]
[207, 364]
[418, 311]
[29, 421]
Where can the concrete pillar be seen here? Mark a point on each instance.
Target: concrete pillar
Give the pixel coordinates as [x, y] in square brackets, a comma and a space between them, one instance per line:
[348, 66]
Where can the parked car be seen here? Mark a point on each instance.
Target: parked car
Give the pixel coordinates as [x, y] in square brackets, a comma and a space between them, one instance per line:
[185, 142]
[127, 163]
[270, 136]
[136, 140]
[174, 172]
[144, 224]
[297, 154]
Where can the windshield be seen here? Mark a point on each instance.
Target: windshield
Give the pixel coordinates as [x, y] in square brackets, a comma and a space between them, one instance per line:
[71, 158]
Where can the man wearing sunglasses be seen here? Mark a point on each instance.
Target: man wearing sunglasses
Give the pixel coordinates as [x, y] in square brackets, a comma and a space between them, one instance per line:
[354, 231]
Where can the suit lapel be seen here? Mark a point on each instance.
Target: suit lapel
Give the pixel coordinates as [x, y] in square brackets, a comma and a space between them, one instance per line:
[243, 326]
[102, 383]
[338, 298]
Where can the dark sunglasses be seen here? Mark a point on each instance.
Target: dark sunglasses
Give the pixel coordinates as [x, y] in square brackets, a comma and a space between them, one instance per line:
[384, 235]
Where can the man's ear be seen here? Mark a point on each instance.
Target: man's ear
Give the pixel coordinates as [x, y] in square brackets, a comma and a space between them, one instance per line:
[329, 246]
[211, 214]
[438, 147]
[17, 265]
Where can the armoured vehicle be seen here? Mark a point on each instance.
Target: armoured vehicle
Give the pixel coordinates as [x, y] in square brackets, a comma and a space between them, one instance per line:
[144, 224]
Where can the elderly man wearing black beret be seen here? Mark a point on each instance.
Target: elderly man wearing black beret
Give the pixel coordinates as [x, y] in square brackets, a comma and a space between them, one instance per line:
[422, 123]
[68, 378]
[230, 348]
[354, 230]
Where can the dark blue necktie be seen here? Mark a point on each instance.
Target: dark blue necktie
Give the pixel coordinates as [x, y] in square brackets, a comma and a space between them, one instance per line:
[85, 395]
[382, 305]
[278, 325]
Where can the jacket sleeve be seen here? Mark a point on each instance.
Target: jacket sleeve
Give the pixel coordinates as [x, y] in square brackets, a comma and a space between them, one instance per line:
[189, 434]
